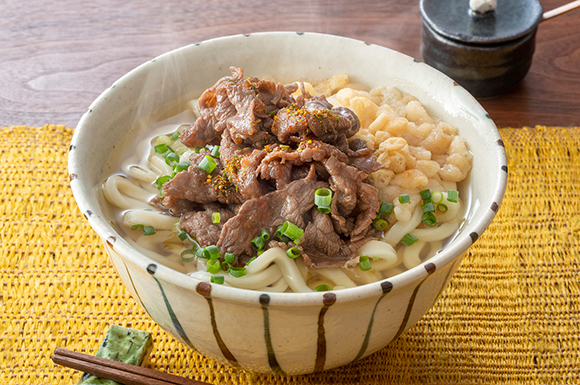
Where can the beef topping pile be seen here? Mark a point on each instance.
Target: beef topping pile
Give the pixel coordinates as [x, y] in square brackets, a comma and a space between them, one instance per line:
[275, 151]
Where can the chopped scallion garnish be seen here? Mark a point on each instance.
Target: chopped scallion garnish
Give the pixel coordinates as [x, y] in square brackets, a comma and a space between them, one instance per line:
[409, 239]
[237, 271]
[159, 182]
[322, 288]
[171, 158]
[380, 224]
[185, 253]
[182, 235]
[265, 235]
[217, 279]
[323, 199]
[280, 236]
[199, 148]
[452, 195]
[215, 151]
[215, 217]
[250, 260]
[175, 136]
[386, 208]
[425, 195]
[293, 252]
[442, 208]
[429, 219]
[181, 166]
[161, 148]
[147, 230]
[229, 257]
[292, 231]
[212, 252]
[364, 263]
[439, 196]
[258, 243]
[213, 266]
[207, 164]
[428, 207]
[404, 198]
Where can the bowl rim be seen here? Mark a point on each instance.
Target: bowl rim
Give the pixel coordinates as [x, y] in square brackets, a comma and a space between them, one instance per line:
[450, 253]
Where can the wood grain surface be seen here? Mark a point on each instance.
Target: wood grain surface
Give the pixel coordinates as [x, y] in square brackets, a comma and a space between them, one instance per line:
[56, 57]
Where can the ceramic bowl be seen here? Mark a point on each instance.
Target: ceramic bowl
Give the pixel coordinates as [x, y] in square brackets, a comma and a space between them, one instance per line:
[291, 333]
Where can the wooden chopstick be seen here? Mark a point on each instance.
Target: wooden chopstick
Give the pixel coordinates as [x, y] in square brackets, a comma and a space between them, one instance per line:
[117, 371]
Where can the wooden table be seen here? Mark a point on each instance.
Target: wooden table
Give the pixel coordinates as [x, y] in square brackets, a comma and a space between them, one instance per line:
[56, 57]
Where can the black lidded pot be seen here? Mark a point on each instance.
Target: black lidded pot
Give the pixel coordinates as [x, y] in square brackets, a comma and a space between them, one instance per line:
[487, 53]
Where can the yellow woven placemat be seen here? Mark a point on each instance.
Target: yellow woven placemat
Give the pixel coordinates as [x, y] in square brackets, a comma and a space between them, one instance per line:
[510, 314]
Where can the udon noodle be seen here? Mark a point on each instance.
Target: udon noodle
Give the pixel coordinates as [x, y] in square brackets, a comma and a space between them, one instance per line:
[420, 154]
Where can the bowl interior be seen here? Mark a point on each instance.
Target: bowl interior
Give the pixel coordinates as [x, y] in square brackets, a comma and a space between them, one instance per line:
[162, 86]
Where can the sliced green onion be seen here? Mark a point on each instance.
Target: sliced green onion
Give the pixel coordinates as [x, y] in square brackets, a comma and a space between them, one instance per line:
[207, 164]
[175, 136]
[182, 150]
[292, 231]
[171, 158]
[181, 166]
[364, 263]
[215, 151]
[442, 208]
[409, 239]
[200, 252]
[217, 279]
[186, 252]
[280, 236]
[452, 195]
[159, 182]
[212, 252]
[229, 257]
[225, 266]
[182, 235]
[323, 197]
[428, 207]
[161, 148]
[380, 224]
[199, 148]
[215, 217]
[405, 198]
[293, 252]
[324, 210]
[213, 266]
[440, 196]
[322, 288]
[425, 195]
[265, 235]
[429, 219]
[250, 261]
[258, 243]
[386, 208]
[147, 230]
[260, 252]
[237, 271]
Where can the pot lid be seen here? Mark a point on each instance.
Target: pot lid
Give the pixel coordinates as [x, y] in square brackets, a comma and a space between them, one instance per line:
[454, 19]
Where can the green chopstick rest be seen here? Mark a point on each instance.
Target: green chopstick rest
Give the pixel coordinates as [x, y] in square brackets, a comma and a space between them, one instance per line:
[121, 344]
